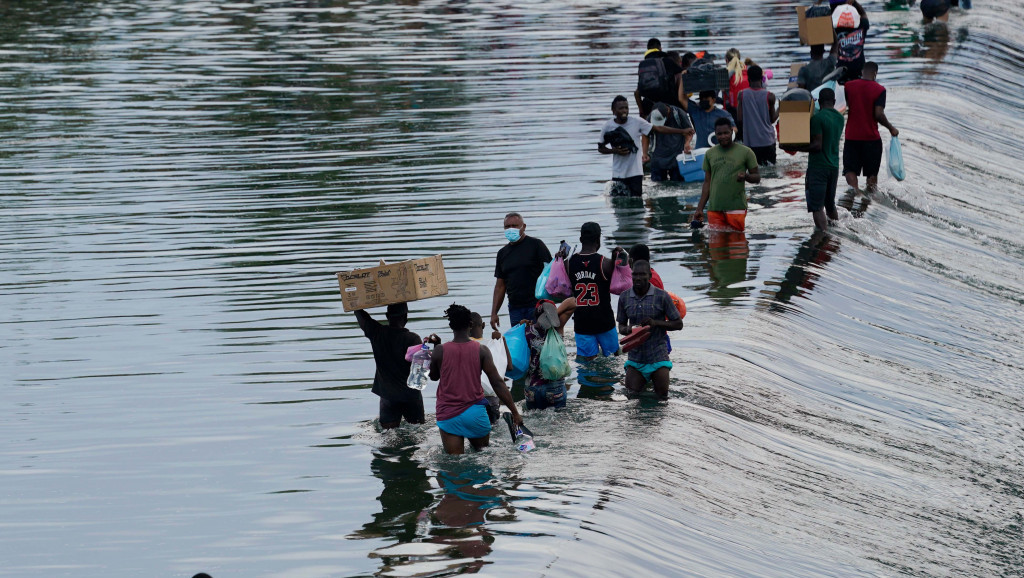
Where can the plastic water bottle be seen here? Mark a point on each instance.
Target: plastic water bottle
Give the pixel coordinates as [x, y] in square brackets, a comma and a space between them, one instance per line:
[524, 441]
[419, 373]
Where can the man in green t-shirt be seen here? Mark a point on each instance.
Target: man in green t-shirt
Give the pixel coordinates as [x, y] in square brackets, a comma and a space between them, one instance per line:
[727, 166]
[823, 160]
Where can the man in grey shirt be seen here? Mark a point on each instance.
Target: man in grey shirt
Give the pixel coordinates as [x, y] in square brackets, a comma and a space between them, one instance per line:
[818, 68]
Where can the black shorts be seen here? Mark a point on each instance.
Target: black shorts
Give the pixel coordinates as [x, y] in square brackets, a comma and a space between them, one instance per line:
[820, 188]
[394, 411]
[934, 8]
[862, 157]
[765, 154]
[635, 185]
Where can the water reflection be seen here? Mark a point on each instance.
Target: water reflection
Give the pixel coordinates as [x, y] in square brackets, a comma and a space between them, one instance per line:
[800, 278]
[856, 203]
[434, 524]
[726, 254]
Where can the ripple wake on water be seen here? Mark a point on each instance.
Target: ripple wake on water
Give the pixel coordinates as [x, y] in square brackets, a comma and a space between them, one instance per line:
[183, 392]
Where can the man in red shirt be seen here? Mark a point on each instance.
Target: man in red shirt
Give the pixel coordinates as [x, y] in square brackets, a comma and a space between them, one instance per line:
[865, 101]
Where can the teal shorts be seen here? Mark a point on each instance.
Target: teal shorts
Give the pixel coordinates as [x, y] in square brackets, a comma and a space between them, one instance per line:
[472, 423]
[648, 369]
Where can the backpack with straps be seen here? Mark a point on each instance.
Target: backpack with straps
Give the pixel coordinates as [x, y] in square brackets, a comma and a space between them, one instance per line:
[652, 78]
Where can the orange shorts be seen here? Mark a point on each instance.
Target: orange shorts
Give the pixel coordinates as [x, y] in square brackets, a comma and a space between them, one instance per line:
[735, 220]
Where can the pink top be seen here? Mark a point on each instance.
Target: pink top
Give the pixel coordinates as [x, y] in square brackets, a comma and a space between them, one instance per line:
[459, 386]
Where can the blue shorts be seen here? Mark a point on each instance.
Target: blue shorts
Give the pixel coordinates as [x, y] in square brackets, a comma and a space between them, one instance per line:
[591, 345]
[648, 369]
[472, 423]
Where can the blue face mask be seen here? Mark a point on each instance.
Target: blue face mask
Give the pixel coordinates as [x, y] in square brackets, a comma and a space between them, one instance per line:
[512, 235]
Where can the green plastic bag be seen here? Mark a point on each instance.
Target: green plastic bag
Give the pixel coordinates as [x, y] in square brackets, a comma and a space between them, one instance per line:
[554, 363]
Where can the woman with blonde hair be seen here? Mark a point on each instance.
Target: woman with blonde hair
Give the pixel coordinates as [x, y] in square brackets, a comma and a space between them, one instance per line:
[737, 81]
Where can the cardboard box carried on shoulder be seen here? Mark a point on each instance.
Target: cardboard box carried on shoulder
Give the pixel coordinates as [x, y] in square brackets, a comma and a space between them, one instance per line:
[795, 122]
[387, 284]
[794, 74]
[816, 30]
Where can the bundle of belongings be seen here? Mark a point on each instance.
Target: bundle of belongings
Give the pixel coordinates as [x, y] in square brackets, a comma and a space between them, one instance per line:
[620, 138]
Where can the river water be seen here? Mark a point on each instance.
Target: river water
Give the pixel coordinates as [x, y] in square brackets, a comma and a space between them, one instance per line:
[182, 392]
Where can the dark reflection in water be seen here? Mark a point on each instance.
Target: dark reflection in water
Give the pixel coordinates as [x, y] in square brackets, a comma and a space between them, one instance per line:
[437, 522]
[856, 203]
[800, 278]
[727, 253]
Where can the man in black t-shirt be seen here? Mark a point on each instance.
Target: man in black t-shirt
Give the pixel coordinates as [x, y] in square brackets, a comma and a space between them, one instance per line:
[590, 275]
[516, 269]
[389, 343]
[667, 73]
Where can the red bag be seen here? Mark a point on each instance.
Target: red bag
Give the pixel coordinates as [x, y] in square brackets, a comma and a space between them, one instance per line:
[558, 284]
[622, 277]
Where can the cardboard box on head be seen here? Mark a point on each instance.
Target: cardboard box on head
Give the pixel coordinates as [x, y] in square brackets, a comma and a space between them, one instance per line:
[816, 30]
[386, 284]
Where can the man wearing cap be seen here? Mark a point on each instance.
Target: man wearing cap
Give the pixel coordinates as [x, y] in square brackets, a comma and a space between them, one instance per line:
[646, 305]
[703, 115]
[590, 274]
[542, 393]
[664, 148]
[851, 25]
[823, 161]
[516, 269]
[389, 344]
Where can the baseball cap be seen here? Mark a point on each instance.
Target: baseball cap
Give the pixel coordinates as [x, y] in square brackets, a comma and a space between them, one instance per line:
[846, 16]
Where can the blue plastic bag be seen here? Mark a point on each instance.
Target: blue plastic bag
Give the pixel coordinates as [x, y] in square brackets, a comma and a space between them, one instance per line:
[896, 160]
[518, 351]
[539, 291]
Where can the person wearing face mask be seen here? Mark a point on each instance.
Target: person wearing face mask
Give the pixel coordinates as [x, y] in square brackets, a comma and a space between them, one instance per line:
[704, 113]
[517, 267]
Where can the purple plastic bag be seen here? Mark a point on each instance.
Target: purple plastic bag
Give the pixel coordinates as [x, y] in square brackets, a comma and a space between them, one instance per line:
[622, 278]
[558, 284]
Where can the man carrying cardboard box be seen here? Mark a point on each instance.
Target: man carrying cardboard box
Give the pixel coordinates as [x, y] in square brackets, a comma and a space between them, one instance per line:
[823, 161]
[389, 343]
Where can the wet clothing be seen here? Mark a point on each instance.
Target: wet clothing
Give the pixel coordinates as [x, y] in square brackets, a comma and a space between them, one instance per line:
[765, 155]
[862, 96]
[471, 423]
[394, 411]
[459, 386]
[630, 186]
[758, 128]
[811, 74]
[820, 184]
[520, 264]
[549, 394]
[655, 304]
[862, 157]
[666, 147]
[829, 124]
[630, 165]
[724, 220]
[851, 48]
[722, 165]
[648, 369]
[606, 343]
[704, 122]
[591, 288]
[389, 345]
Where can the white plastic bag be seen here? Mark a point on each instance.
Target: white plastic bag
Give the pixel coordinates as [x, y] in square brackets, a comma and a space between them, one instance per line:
[497, 349]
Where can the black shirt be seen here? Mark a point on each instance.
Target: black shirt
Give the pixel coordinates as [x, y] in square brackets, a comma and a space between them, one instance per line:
[593, 314]
[670, 95]
[519, 264]
[389, 345]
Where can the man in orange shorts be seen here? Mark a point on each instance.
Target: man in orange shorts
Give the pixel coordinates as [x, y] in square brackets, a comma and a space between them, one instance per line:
[727, 167]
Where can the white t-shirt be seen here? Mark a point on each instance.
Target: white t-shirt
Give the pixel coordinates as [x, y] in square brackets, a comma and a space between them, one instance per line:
[631, 165]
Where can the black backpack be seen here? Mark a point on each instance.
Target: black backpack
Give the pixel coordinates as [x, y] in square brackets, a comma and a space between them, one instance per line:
[652, 78]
